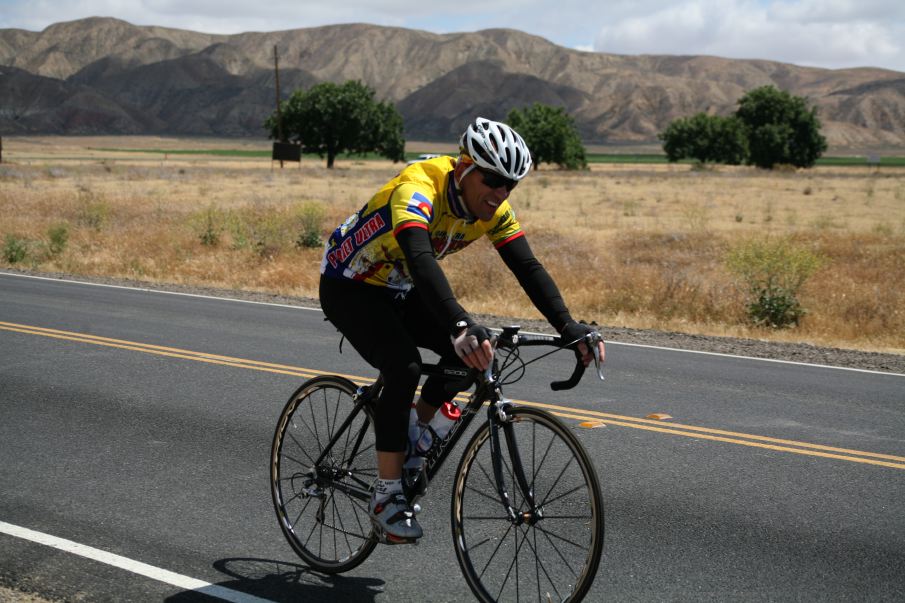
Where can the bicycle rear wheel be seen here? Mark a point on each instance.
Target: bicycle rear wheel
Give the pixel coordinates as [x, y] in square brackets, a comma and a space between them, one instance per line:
[545, 551]
[322, 507]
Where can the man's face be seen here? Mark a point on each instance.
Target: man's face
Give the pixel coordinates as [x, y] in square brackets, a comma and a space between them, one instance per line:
[483, 191]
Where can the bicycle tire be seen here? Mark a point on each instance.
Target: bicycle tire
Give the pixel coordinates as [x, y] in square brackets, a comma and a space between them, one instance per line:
[556, 557]
[326, 526]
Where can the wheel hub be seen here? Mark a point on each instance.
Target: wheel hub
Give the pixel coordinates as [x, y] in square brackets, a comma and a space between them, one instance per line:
[528, 517]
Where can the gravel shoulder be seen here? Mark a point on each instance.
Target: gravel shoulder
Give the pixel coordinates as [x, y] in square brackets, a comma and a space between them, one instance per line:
[755, 348]
[10, 595]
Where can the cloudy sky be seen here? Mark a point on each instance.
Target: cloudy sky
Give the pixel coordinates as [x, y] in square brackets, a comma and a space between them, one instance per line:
[822, 33]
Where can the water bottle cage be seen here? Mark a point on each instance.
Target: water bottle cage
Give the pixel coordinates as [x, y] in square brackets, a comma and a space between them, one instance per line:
[438, 444]
[433, 445]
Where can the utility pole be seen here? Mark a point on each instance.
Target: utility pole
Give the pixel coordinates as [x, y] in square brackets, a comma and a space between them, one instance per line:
[276, 70]
[283, 150]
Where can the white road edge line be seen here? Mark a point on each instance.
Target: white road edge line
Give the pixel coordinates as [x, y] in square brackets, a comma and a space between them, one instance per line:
[130, 565]
[149, 290]
[793, 362]
[635, 345]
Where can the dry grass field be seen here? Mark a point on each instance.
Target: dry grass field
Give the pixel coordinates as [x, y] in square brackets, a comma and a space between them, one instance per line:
[637, 246]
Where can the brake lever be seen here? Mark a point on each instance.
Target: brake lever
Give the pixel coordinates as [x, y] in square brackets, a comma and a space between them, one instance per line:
[597, 364]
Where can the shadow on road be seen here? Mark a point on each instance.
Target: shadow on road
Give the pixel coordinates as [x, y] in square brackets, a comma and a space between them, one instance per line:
[280, 581]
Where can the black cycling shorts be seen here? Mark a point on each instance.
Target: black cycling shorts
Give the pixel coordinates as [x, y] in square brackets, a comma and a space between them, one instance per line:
[387, 329]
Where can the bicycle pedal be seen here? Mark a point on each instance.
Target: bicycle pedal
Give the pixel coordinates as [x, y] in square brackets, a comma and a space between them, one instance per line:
[390, 539]
[384, 538]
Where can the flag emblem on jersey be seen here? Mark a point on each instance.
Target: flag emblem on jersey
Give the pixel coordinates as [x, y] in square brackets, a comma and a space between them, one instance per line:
[420, 206]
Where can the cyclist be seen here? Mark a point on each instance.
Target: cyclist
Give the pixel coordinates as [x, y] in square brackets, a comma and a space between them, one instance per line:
[382, 287]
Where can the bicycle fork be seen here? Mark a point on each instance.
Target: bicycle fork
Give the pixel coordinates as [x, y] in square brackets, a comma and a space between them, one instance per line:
[501, 421]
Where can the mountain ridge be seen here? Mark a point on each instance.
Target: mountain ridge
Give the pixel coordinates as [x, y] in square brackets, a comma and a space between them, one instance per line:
[158, 80]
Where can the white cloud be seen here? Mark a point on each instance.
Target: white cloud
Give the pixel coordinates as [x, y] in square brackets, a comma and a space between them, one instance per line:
[837, 33]
[836, 11]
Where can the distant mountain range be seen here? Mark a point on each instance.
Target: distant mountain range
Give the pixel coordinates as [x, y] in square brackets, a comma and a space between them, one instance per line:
[106, 76]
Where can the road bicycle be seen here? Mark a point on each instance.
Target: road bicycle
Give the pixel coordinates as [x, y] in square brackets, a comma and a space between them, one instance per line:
[527, 513]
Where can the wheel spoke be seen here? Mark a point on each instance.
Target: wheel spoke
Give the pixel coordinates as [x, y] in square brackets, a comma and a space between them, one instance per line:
[292, 524]
[513, 564]
[550, 534]
[537, 468]
[335, 413]
[314, 430]
[559, 477]
[497, 548]
[482, 493]
[356, 507]
[313, 527]
[295, 460]
[561, 496]
[306, 426]
[486, 474]
[537, 565]
[539, 562]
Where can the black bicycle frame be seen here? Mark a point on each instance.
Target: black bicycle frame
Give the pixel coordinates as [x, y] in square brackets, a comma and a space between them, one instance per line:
[487, 391]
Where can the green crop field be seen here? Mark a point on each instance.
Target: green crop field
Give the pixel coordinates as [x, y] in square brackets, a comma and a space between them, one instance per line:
[603, 158]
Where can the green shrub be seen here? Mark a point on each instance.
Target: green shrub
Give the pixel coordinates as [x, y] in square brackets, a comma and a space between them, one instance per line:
[210, 226]
[267, 236]
[58, 237]
[15, 250]
[93, 209]
[772, 272]
[261, 229]
[311, 220]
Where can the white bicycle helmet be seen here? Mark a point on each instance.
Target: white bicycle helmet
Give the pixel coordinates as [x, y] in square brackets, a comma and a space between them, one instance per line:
[497, 147]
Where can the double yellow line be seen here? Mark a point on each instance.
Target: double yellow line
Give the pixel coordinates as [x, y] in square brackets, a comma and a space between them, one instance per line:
[162, 350]
[590, 417]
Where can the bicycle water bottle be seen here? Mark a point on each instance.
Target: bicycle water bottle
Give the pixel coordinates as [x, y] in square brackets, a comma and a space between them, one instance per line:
[439, 426]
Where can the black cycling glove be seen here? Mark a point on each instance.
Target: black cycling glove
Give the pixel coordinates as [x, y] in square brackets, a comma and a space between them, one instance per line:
[575, 330]
[469, 339]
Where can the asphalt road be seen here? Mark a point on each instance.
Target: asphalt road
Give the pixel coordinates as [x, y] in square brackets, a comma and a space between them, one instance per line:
[138, 424]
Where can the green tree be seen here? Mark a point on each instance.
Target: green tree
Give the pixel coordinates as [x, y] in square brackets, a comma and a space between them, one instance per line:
[550, 134]
[729, 141]
[329, 119]
[705, 138]
[781, 128]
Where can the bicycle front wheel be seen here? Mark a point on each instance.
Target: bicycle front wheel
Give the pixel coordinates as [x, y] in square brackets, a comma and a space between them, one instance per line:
[549, 547]
[321, 504]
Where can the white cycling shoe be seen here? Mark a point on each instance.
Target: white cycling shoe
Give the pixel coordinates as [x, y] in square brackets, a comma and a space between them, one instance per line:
[394, 520]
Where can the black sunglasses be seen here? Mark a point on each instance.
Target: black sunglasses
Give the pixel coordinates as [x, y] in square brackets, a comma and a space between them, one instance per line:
[494, 180]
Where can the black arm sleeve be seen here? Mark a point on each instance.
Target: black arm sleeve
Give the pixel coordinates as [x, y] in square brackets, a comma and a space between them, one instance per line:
[429, 278]
[536, 282]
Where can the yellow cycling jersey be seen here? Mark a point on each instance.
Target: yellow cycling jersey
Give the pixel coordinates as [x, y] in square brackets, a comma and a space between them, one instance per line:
[423, 195]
